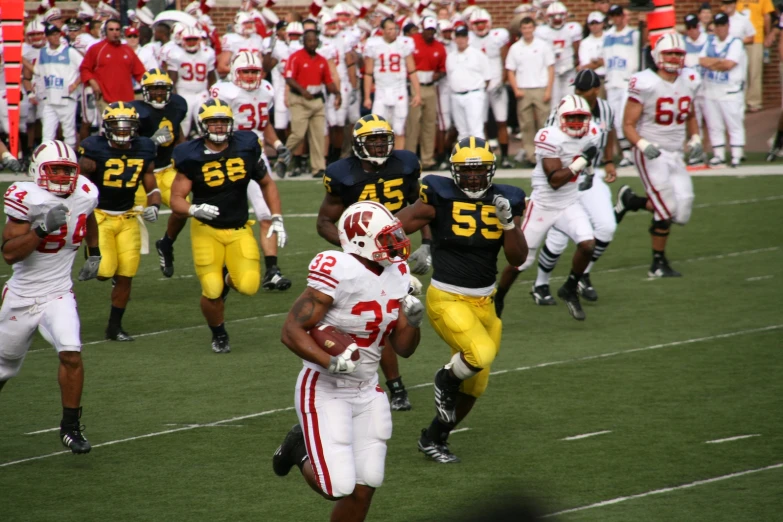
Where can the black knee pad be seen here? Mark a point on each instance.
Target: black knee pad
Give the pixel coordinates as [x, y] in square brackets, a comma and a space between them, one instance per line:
[660, 228]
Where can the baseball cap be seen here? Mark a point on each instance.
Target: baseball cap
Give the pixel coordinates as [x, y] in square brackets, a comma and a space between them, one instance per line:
[586, 79]
[691, 21]
[429, 23]
[51, 29]
[281, 24]
[616, 10]
[462, 30]
[131, 31]
[729, 1]
[596, 17]
[705, 6]
[720, 19]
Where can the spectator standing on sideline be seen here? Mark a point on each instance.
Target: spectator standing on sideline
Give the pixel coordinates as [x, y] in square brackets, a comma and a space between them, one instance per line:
[759, 13]
[430, 58]
[306, 74]
[110, 67]
[592, 47]
[705, 18]
[695, 40]
[530, 68]
[469, 74]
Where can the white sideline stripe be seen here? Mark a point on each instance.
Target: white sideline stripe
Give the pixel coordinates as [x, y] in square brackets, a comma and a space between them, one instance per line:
[459, 430]
[522, 368]
[42, 431]
[729, 439]
[759, 278]
[665, 490]
[585, 435]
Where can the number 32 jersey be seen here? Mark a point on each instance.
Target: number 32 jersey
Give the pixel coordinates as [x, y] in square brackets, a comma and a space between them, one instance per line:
[47, 271]
[366, 306]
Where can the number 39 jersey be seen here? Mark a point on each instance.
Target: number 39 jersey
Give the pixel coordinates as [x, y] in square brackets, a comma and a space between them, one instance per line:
[250, 108]
[666, 106]
[47, 271]
[466, 233]
[192, 68]
[366, 306]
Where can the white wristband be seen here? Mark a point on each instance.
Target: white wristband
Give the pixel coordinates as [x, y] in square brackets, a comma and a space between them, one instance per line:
[642, 144]
[694, 139]
[278, 144]
[578, 165]
[7, 155]
[151, 192]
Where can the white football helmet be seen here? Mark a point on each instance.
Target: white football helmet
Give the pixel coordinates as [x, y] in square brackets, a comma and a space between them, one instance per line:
[191, 39]
[328, 22]
[669, 53]
[35, 34]
[294, 30]
[244, 24]
[344, 14]
[480, 22]
[556, 15]
[176, 32]
[54, 167]
[574, 115]
[246, 70]
[369, 230]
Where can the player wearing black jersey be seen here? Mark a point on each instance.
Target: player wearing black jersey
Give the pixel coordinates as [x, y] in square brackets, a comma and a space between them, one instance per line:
[118, 163]
[217, 169]
[471, 219]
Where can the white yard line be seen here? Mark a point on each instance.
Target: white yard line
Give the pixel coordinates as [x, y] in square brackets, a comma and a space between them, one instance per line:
[459, 430]
[665, 490]
[586, 435]
[729, 439]
[42, 431]
[759, 278]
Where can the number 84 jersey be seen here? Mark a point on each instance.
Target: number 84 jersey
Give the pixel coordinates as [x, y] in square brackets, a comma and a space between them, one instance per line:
[47, 271]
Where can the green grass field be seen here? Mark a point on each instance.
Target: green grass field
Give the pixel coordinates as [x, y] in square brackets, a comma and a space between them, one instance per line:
[663, 366]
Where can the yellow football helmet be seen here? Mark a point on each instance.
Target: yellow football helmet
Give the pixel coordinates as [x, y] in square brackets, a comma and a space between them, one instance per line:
[156, 87]
[219, 112]
[472, 166]
[120, 122]
[373, 139]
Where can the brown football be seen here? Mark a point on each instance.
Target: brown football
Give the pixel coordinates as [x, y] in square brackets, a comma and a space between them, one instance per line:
[332, 340]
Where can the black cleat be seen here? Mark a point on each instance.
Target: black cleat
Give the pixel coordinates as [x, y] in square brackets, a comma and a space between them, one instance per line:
[275, 280]
[400, 401]
[117, 334]
[283, 459]
[226, 287]
[661, 268]
[572, 302]
[72, 438]
[446, 397]
[166, 257]
[320, 174]
[623, 198]
[220, 343]
[586, 290]
[440, 453]
[542, 296]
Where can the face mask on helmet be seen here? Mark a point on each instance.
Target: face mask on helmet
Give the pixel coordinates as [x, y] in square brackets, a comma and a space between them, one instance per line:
[392, 245]
[120, 130]
[37, 40]
[218, 129]
[556, 21]
[248, 78]
[481, 27]
[248, 28]
[375, 148]
[157, 95]
[368, 230]
[671, 61]
[473, 177]
[575, 124]
[331, 28]
[191, 44]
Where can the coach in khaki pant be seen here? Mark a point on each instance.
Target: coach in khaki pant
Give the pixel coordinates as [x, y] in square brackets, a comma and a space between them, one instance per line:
[530, 66]
[430, 58]
[759, 13]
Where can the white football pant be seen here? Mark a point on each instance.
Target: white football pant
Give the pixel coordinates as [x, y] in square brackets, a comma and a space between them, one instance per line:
[572, 221]
[723, 116]
[467, 111]
[63, 115]
[392, 104]
[617, 99]
[497, 99]
[668, 185]
[562, 86]
[194, 101]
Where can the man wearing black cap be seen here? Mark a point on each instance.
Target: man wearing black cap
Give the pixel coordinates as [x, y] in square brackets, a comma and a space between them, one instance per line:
[705, 18]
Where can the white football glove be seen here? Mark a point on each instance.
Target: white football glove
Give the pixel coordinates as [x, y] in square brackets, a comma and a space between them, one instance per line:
[421, 260]
[278, 228]
[55, 218]
[503, 212]
[11, 163]
[162, 136]
[150, 213]
[413, 310]
[694, 147]
[283, 154]
[415, 287]
[649, 150]
[342, 363]
[90, 268]
[204, 212]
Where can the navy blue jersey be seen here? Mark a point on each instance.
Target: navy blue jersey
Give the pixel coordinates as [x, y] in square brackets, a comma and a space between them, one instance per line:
[466, 233]
[152, 119]
[221, 178]
[394, 186]
[118, 172]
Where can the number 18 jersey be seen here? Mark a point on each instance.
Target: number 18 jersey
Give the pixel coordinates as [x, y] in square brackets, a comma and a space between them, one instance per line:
[389, 69]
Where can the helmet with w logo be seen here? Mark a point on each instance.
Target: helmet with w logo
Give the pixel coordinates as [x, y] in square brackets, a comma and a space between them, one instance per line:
[367, 229]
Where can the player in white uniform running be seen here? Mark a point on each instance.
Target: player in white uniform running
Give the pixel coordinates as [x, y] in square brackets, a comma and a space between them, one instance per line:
[564, 38]
[35, 40]
[563, 152]
[244, 38]
[659, 116]
[344, 416]
[47, 219]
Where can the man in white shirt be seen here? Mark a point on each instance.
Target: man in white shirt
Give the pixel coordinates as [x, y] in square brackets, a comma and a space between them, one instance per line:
[530, 68]
[739, 24]
[469, 75]
[695, 40]
[592, 47]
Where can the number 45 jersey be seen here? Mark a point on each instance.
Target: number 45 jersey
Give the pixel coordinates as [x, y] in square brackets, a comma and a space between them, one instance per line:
[47, 271]
[466, 233]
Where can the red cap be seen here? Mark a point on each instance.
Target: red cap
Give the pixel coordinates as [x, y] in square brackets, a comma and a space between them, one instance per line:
[131, 31]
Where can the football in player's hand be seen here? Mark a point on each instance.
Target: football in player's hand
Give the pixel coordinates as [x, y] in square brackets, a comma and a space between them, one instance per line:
[333, 341]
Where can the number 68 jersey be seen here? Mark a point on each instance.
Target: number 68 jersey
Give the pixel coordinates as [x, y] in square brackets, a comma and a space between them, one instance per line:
[47, 271]
[366, 306]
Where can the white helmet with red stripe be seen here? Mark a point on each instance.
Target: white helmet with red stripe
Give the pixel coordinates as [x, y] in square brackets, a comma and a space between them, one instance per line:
[328, 22]
[556, 15]
[246, 70]
[191, 39]
[574, 115]
[54, 167]
[367, 229]
[35, 34]
[669, 53]
[176, 32]
[294, 30]
[480, 22]
[244, 24]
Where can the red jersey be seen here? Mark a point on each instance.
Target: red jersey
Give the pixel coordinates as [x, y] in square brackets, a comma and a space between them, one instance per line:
[112, 66]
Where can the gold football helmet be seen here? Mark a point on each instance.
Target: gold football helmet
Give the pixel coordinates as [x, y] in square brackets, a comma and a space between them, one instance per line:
[216, 120]
[472, 166]
[156, 87]
[373, 139]
[120, 122]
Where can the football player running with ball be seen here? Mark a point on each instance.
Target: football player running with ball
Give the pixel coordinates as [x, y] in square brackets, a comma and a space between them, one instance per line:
[391, 177]
[217, 168]
[471, 220]
[339, 444]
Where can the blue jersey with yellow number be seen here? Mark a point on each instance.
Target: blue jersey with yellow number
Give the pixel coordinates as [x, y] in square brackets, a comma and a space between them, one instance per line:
[466, 233]
[152, 119]
[221, 178]
[394, 185]
[118, 172]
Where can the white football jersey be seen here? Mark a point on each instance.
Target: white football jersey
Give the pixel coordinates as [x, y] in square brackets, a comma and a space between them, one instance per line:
[235, 43]
[366, 306]
[30, 53]
[83, 42]
[251, 108]
[621, 56]
[281, 52]
[192, 69]
[339, 55]
[165, 50]
[389, 69]
[491, 44]
[666, 106]
[47, 271]
[551, 142]
[562, 42]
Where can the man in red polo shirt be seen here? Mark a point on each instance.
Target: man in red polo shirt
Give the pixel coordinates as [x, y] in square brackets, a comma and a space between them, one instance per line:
[430, 58]
[109, 67]
[307, 73]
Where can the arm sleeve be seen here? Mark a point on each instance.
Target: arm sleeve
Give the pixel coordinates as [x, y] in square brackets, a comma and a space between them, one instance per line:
[326, 274]
[511, 61]
[546, 146]
[16, 207]
[87, 65]
[138, 68]
[637, 89]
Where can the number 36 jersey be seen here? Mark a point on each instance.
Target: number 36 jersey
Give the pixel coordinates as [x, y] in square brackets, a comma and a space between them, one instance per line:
[250, 108]
[466, 233]
[47, 271]
[366, 306]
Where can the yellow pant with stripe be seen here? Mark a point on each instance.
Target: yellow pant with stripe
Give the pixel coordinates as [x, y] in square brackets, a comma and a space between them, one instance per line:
[119, 238]
[164, 178]
[468, 325]
[237, 249]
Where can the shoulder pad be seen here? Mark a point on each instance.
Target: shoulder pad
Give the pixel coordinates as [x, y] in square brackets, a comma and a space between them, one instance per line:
[85, 186]
[267, 86]
[179, 102]
[515, 195]
[330, 269]
[184, 152]
[638, 83]
[548, 141]
[409, 162]
[23, 199]
[146, 145]
[435, 189]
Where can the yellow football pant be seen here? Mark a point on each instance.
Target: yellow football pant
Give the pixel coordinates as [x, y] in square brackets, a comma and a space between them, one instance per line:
[468, 325]
[237, 249]
[119, 238]
[164, 178]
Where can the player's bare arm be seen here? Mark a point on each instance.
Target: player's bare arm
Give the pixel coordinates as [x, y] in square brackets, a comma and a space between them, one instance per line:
[223, 63]
[351, 59]
[410, 64]
[331, 209]
[514, 244]
[633, 111]
[268, 62]
[271, 195]
[87, 167]
[308, 310]
[609, 167]
[19, 240]
[426, 232]
[211, 78]
[415, 217]
[405, 337]
[179, 192]
[556, 173]
[151, 186]
[368, 68]
[174, 75]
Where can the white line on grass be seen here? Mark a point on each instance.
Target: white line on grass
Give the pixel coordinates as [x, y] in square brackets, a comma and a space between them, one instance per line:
[759, 278]
[729, 439]
[42, 431]
[586, 435]
[459, 430]
[665, 490]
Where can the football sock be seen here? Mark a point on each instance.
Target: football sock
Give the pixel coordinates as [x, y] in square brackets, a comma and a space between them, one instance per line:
[500, 294]
[270, 261]
[600, 248]
[737, 153]
[719, 151]
[71, 416]
[438, 431]
[115, 318]
[167, 241]
[637, 203]
[546, 263]
[572, 281]
[778, 139]
[218, 330]
[301, 457]
[658, 255]
[503, 150]
[395, 385]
